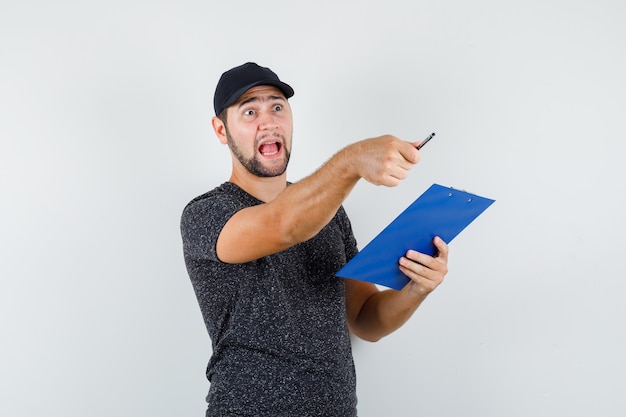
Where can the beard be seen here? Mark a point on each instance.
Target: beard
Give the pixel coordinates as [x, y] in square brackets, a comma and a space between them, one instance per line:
[254, 165]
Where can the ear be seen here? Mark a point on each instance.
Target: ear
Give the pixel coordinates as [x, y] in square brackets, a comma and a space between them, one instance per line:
[220, 129]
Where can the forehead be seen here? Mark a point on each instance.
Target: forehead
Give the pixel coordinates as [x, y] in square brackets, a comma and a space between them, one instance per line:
[264, 92]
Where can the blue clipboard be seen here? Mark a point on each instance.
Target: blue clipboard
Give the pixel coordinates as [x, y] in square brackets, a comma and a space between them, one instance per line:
[440, 211]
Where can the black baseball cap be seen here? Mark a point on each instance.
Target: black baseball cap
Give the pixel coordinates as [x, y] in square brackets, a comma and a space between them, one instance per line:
[236, 81]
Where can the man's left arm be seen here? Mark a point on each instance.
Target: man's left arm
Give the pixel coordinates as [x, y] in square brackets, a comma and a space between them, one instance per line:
[373, 314]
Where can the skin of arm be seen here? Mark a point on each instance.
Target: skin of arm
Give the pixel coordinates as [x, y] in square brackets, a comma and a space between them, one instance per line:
[301, 210]
[294, 214]
[373, 314]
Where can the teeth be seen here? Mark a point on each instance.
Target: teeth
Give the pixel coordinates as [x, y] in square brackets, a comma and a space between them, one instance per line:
[266, 145]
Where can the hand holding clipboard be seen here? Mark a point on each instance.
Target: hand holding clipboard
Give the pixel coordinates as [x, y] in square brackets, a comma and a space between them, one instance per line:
[439, 211]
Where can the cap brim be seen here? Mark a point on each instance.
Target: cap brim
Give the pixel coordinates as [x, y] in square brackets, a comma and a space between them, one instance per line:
[283, 87]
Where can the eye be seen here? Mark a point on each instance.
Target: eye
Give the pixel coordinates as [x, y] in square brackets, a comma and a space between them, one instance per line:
[277, 107]
[249, 112]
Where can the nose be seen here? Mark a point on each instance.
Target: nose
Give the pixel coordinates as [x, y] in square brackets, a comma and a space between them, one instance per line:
[268, 121]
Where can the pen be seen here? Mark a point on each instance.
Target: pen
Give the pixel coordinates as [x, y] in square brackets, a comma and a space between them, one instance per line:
[425, 141]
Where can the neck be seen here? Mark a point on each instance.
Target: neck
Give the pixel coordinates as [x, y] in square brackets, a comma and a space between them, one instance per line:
[265, 189]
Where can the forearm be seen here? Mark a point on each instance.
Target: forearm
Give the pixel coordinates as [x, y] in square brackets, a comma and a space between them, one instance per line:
[385, 160]
[386, 311]
[295, 215]
[300, 211]
[373, 314]
[308, 205]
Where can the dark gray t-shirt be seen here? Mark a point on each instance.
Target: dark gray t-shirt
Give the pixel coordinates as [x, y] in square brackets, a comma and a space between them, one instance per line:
[278, 328]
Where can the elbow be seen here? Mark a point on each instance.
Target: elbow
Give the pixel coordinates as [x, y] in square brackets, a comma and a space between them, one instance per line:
[371, 339]
[367, 336]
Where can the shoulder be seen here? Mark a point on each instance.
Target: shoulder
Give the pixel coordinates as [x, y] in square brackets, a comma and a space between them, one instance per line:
[223, 196]
[213, 204]
[215, 207]
[204, 217]
[220, 192]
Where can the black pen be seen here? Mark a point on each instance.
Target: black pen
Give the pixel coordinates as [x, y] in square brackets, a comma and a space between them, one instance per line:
[425, 141]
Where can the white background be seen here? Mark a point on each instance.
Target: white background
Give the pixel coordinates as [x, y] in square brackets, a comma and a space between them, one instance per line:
[105, 135]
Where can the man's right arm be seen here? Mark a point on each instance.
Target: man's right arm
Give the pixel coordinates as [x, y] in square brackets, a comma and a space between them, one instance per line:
[305, 207]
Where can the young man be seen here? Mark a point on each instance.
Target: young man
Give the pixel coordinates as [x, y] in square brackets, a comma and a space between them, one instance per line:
[261, 254]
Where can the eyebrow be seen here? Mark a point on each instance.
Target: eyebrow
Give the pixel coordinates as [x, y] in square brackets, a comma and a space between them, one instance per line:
[257, 98]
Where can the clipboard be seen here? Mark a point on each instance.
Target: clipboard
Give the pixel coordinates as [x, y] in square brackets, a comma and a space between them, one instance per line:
[439, 211]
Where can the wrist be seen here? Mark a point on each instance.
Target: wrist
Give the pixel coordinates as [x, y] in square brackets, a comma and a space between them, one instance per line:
[345, 164]
[415, 292]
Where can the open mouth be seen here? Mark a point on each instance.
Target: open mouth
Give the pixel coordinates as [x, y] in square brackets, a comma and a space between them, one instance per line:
[270, 148]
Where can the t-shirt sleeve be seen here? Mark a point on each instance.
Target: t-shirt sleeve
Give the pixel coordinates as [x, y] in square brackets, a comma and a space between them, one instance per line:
[349, 240]
[201, 223]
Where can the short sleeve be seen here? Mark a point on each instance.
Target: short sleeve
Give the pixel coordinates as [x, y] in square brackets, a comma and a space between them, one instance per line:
[349, 240]
[201, 224]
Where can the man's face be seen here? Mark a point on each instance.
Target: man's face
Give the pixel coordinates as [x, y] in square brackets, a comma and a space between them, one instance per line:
[259, 131]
